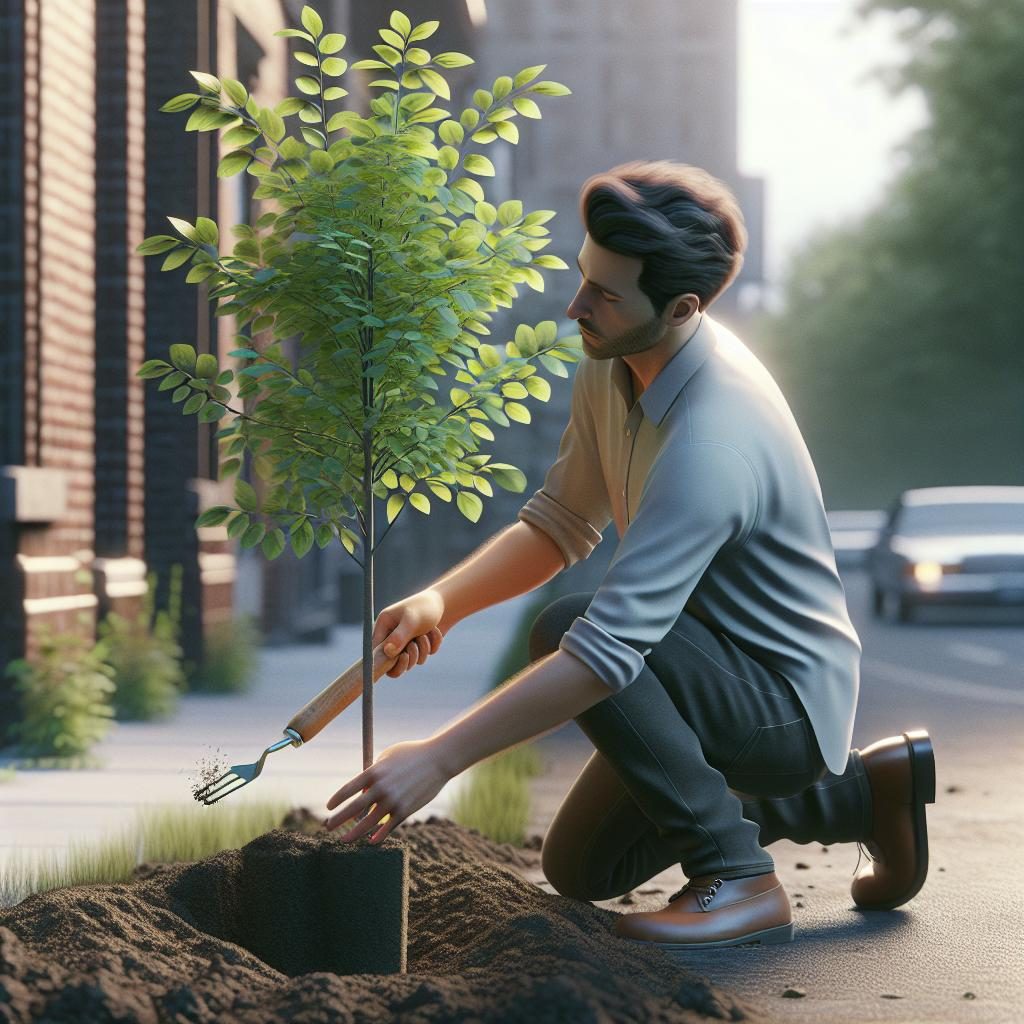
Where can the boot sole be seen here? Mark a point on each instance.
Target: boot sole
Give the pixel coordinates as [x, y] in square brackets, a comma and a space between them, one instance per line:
[768, 937]
[922, 775]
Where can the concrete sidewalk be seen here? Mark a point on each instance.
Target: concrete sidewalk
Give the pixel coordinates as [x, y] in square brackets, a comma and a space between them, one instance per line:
[151, 763]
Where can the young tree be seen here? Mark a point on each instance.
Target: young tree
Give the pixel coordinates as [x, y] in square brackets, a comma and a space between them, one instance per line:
[385, 261]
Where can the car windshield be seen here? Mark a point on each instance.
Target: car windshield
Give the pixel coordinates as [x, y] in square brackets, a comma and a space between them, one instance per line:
[962, 517]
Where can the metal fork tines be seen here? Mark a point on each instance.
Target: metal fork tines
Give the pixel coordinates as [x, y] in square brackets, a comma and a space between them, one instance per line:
[239, 775]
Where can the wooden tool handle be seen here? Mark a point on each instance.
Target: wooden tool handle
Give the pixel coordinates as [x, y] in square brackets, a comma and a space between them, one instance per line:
[333, 699]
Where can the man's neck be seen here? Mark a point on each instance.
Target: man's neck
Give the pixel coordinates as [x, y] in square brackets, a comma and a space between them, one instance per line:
[645, 366]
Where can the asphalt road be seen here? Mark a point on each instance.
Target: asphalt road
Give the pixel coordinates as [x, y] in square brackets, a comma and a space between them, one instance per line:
[955, 952]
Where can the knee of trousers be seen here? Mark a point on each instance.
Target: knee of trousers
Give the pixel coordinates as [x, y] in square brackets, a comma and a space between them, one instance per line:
[563, 874]
[553, 623]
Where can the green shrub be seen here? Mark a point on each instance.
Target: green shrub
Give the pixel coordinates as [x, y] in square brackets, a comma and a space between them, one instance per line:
[65, 695]
[146, 656]
[229, 657]
[496, 797]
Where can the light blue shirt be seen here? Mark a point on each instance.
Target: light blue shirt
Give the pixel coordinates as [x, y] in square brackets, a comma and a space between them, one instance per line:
[718, 509]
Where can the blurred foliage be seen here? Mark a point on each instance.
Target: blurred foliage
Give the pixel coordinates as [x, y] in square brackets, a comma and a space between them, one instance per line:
[146, 656]
[65, 693]
[229, 657]
[899, 347]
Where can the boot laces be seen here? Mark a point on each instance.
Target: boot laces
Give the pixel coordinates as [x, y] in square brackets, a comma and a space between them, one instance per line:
[707, 891]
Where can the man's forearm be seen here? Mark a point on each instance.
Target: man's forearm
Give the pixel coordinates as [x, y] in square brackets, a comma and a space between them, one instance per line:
[545, 695]
[518, 559]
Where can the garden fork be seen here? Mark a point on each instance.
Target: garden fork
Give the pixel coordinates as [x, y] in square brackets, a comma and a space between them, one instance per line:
[325, 706]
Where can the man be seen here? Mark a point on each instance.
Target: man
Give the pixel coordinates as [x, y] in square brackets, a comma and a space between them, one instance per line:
[715, 669]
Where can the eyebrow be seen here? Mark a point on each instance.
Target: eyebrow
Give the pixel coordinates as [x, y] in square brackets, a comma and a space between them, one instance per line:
[594, 283]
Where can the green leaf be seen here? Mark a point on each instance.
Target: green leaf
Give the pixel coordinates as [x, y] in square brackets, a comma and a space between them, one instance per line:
[294, 33]
[400, 23]
[184, 228]
[470, 118]
[245, 496]
[453, 59]
[153, 368]
[526, 106]
[206, 366]
[469, 505]
[502, 87]
[448, 158]
[156, 244]
[242, 135]
[206, 231]
[238, 526]
[311, 21]
[436, 83]
[420, 502]
[527, 75]
[517, 412]
[181, 393]
[253, 535]
[183, 101]
[550, 89]
[233, 163]
[214, 516]
[553, 366]
[236, 92]
[507, 131]
[458, 397]
[209, 83]
[508, 477]
[510, 211]
[532, 278]
[440, 490]
[452, 133]
[308, 85]
[423, 31]
[194, 404]
[475, 163]
[538, 387]
[513, 389]
[394, 506]
[387, 53]
[389, 478]
[177, 258]
[547, 331]
[324, 535]
[331, 43]
[274, 543]
[486, 213]
[184, 357]
[174, 380]
[418, 56]
[334, 66]
[551, 262]
[484, 135]
[302, 539]
[481, 430]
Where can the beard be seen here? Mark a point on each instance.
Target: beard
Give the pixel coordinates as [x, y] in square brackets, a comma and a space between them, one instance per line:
[636, 339]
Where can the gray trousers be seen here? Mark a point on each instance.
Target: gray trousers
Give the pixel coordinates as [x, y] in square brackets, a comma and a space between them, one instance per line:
[703, 760]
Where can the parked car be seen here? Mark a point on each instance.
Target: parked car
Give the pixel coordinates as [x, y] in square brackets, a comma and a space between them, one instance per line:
[951, 545]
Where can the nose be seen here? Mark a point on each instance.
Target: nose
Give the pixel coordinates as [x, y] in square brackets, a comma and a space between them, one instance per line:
[577, 309]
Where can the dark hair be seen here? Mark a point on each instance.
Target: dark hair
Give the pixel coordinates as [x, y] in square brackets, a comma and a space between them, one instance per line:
[683, 223]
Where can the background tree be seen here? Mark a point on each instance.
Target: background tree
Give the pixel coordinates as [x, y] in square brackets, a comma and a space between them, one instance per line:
[385, 262]
[900, 337]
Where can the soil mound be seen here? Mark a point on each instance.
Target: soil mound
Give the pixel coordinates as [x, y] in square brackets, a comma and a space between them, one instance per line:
[483, 945]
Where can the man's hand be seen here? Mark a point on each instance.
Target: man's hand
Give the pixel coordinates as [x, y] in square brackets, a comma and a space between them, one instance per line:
[410, 626]
[402, 779]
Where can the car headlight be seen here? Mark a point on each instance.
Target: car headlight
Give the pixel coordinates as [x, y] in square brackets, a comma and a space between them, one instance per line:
[929, 574]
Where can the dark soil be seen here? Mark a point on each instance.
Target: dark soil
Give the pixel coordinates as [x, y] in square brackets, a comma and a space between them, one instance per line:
[483, 945]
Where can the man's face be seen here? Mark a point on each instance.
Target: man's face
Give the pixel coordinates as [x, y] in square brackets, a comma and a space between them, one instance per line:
[616, 318]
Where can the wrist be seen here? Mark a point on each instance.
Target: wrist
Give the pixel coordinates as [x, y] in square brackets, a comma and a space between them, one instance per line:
[445, 755]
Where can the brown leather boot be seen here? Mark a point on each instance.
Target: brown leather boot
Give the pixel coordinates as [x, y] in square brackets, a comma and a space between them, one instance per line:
[710, 912]
[901, 771]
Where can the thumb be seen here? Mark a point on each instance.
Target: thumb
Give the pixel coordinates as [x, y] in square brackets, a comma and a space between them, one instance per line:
[393, 644]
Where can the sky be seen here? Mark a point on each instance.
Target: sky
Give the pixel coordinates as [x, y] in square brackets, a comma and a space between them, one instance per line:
[821, 134]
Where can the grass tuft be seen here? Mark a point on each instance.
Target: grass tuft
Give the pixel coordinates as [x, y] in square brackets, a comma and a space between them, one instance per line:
[164, 835]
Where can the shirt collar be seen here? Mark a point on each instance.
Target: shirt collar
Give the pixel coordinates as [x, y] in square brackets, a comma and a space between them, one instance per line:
[672, 377]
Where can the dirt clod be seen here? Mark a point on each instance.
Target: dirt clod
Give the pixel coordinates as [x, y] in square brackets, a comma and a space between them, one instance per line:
[794, 993]
[207, 770]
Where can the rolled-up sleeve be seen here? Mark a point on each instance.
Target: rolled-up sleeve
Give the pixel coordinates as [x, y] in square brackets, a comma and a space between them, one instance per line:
[698, 498]
[572, 507]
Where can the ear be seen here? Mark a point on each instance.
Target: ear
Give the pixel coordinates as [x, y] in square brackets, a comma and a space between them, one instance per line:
[681, 308]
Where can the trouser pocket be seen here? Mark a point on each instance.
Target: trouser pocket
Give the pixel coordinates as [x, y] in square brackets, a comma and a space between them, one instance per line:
[784, 749]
